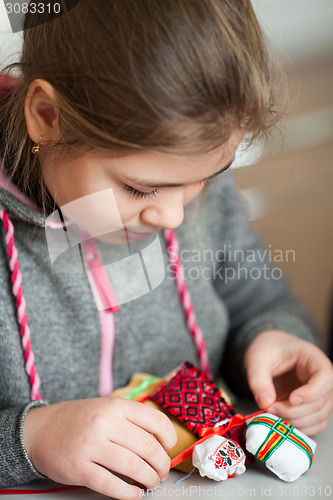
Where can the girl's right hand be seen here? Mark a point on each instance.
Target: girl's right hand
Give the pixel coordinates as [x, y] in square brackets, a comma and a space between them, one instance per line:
[76, 442]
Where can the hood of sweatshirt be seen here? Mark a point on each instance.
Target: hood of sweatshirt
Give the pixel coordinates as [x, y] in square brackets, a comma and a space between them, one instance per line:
[16, 204]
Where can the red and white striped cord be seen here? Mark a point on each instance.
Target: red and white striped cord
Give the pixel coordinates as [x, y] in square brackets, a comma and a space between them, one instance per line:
[185, 297]
[22, 317]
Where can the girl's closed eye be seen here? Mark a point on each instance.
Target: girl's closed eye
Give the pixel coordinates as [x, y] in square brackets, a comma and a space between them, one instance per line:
[140, 194]
[152, 194]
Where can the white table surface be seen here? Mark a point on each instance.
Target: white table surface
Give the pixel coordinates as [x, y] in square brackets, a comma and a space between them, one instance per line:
[256, 482]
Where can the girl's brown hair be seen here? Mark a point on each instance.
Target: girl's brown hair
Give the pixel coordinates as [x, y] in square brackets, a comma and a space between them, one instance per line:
[172, 75]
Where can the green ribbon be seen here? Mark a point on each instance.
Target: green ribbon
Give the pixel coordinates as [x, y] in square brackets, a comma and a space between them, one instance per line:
[141, 387]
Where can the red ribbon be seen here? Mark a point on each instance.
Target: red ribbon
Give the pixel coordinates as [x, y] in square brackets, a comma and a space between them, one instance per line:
[41, 491]
[207, 432]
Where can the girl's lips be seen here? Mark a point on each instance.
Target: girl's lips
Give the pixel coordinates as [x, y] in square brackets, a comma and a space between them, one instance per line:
[138, 236]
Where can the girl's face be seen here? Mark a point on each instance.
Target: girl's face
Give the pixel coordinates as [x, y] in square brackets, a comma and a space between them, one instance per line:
[120, 198]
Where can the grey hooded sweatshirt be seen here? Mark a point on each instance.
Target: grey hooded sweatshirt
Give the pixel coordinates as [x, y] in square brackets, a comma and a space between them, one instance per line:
[236, 294]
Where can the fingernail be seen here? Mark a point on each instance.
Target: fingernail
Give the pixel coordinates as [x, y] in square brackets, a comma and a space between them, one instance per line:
[264, 399]
[296, 400]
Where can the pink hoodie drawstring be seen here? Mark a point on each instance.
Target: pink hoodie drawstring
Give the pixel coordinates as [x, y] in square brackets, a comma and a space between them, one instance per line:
[22, 317]
[185, 297]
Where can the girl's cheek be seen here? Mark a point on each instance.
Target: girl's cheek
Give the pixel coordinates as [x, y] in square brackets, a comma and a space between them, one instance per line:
[128, 208]
[191, 192]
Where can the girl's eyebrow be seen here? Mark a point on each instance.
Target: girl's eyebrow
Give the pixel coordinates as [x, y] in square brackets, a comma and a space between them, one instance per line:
[152, 184]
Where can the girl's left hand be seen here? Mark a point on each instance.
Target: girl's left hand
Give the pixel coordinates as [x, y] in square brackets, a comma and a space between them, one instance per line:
[277, 363]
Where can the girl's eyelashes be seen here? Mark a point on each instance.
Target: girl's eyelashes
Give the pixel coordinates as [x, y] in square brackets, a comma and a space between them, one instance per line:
[152, 194]
[140, 194]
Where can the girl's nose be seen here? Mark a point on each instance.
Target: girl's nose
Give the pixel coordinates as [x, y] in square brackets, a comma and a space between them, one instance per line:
[167, 212]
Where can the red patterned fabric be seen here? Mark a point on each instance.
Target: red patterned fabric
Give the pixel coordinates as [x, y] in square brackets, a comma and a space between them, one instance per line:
[193, 399]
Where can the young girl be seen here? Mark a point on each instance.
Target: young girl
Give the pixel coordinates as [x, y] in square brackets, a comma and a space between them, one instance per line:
[121, 113]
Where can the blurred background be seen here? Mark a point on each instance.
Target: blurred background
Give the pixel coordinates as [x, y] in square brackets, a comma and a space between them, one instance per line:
[287, 184]
[289, 191]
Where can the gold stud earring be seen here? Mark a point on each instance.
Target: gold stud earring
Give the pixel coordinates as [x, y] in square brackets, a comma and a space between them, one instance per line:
[36, 149]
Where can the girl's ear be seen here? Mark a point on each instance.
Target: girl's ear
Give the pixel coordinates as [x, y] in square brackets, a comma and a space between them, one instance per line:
[41, 111]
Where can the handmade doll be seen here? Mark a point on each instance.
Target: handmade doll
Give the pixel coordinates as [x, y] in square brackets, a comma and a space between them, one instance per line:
[211, 437]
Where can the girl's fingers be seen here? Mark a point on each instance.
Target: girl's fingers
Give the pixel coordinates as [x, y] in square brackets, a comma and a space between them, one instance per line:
[153, 421]
[319, 418]
[285, 410]
[144, 445]
[118, 459]
[312, 430]
[313, 417]
[97, 478]
[319, 383]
